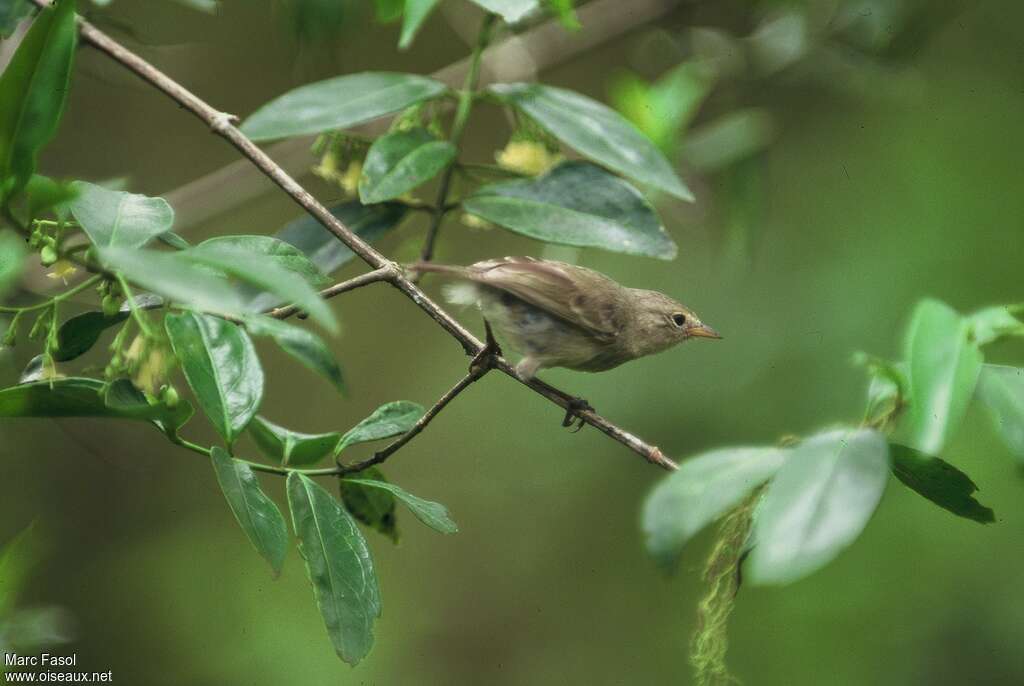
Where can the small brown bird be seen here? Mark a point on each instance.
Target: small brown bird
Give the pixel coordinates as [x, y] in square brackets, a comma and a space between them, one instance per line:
[560, 315]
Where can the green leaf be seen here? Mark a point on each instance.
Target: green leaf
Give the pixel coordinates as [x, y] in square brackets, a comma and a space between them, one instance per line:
[264, 271]
[339, 567]
[434, 515]
[305, 346]
[992, 323]
[173, 240]
[595, 130]
[324, 249]
[400, 161]
[44, 194]
[33, 89]
[339, 103]
[731, 138]
[17, 557]
[82, 397]
[221, 366]
[1001, 389]
[119, 219]
[177, 279]
[565, 13]
[576, 203]
[11, 14]
[704, 488]
[887, 385]
[373, 507]
[283, 254]
[939, 482]
[511, 11]
[663, 109]
[817, 504]
[291, 448]
[12, 260]
[390, 419]
[416, 12]
[79, 333]
[944, 366]
[257, 514]
[388, 10]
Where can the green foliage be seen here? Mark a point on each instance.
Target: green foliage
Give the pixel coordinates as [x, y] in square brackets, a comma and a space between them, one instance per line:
[339, 103]
[817, 504]
[993, 323]
[434, 515]
[33, 89]
[257, 514]
[596, 131]
[119, 219]
[11, 14]
[704, 489]
[279, 252]
[511, 11]
[17, 556]
[291, 448]
[401, 161]
[416, 12]
[388, 420]
[12, 258]
[373, 507]
[302, 344]
[939, 482]
[576, 203]
[220, 364]
[339, 567]
[1001, 389]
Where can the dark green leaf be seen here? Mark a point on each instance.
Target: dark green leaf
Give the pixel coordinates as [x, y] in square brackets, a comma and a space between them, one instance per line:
[373, 507]
[12, 260]
[511, 11]
[595, 130]
[817, 504]
[79, 333]
[944, 365]
[281, 253]
[305, 346]
[992, 323]
[177, 279]
[388, 10]
[704, 488]
[264, 271]
[416, 12]
[33, 89]
[400, 161]
[339, 566]
[118, 219]
[434, 515]
[576, 203]
[324, 249]
[390, 419]
[339, 103]
[1001, 389]
[221, 366]
[11, 14]
[173, 240]
[939, 482]
[291, 448]
[257, 514]
[123, 397]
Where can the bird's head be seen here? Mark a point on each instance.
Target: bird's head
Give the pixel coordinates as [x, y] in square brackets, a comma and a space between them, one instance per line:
[661, 322]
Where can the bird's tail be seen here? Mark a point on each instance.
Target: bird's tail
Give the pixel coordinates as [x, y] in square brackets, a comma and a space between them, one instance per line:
[462, 292]
[449, 269]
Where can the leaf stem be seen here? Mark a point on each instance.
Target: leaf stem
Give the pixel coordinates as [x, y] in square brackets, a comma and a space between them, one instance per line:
[137, 314]
[91, 281]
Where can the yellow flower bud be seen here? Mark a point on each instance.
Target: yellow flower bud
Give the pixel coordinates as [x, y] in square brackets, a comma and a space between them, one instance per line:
[527, 157]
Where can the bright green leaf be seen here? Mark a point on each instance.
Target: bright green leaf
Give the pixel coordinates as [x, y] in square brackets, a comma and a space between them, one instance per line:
[45, 194]
[339, 567]
[576, 203]
[939, 482]
[944, 365]
[511, 11]
[221, 366]
[339, 103]
[12, 260]
[663, 109]
[1001, 389]
[416, 12]
[390, 419]
[817, 504]
[280, 252]
[324, 249]
[704, 488]
[119, 219]
[595, 130]
[992, 323]
[302, 344]
[400, 161]
[33, 89]
[257, 514]
[291, 448]
[434, 515]
[563, 9]
[373, 507]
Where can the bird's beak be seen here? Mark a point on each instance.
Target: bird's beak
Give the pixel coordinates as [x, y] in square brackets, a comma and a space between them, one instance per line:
[704, 331]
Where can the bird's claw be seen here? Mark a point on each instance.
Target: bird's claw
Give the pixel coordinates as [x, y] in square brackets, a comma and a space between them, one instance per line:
[572, 413]
[484, 360]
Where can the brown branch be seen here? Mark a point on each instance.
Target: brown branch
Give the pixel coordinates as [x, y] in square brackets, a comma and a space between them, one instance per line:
[377, 275]
[223, 125]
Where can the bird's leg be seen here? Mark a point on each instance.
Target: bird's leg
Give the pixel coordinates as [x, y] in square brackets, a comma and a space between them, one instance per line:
[573, 404]
[484, 359]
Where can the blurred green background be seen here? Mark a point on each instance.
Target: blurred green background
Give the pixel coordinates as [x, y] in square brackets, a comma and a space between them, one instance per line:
[892, 177]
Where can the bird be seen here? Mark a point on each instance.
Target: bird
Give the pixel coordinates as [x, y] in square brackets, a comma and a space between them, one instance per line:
[557, 314]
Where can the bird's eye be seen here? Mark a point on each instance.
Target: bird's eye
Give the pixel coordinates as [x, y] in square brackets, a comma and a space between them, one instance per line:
[679, 320]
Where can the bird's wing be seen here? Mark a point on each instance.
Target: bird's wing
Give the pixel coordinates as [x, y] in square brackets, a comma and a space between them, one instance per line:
[564, 290]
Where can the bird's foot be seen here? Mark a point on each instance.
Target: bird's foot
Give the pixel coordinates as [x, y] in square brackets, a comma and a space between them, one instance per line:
[572, 413]
[484, 360]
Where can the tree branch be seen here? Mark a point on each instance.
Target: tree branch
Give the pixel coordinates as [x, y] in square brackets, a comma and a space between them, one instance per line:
[377, 275]
[223, 125]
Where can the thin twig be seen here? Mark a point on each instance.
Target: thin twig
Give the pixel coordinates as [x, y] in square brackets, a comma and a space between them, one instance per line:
[223, 125]
[377, 275]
